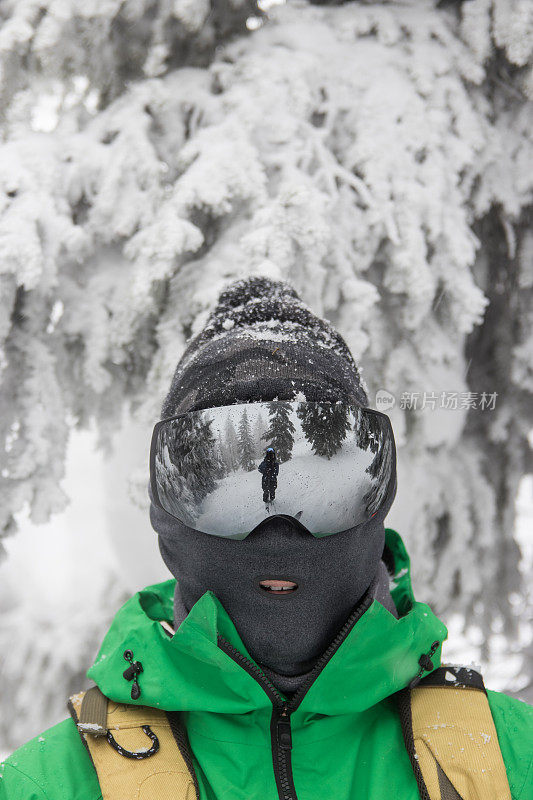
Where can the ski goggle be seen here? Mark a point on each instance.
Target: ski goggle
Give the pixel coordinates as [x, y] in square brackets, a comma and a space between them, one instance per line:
[223, 471]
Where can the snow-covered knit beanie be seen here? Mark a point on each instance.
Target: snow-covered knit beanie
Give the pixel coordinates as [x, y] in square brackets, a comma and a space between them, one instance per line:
[261, 342]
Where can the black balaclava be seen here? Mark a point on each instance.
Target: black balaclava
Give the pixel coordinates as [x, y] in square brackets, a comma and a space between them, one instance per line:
[262, 343]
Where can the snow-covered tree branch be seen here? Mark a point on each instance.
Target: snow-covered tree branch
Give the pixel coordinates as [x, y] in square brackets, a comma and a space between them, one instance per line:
[378, 155]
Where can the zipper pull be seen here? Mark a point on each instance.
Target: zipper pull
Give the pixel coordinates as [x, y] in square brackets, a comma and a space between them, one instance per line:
[284, 730]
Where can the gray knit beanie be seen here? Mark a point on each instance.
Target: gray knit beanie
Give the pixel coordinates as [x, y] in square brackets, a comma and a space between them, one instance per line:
[261, 343]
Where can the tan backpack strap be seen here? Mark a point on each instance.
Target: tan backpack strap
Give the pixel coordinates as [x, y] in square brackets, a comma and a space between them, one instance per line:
[451, 737]
[137, 751]
[93, 713]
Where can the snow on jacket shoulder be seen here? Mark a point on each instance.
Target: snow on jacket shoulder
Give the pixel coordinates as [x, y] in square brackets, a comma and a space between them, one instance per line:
[347, 741]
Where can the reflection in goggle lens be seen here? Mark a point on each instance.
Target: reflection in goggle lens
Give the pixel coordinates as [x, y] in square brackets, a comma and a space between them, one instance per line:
[225, 470]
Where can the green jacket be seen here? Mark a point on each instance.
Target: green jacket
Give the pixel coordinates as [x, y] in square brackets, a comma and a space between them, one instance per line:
[346, 737]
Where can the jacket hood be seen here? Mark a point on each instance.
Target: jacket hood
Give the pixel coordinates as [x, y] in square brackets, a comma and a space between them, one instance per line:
[190, 672]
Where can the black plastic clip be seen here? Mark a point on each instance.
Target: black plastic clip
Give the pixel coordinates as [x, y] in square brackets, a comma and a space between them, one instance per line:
[131, 674]
[425, 663]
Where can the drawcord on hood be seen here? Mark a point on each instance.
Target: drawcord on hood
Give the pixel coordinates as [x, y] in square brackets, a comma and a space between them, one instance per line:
[132, 674]
[426, 664]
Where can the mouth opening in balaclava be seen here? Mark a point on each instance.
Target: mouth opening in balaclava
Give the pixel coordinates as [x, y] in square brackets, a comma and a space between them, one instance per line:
[262, 343]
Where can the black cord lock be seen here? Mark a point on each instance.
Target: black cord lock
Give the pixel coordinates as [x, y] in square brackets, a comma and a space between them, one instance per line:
[425, 663]
[131, 674]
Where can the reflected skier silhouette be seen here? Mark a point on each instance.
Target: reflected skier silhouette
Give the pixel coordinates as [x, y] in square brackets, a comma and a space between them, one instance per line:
[269, 468]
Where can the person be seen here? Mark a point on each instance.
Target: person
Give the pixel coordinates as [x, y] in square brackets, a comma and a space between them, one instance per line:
[287, 657]
[269, 469]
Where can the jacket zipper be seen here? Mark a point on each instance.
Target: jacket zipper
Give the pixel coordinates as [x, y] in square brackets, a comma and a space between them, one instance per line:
[281, 751]
[280, 727]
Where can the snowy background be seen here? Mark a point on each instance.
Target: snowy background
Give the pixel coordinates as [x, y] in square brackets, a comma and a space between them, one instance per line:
[376, 154]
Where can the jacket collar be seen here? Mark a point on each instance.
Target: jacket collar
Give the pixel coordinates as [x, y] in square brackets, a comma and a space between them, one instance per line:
[189, 671]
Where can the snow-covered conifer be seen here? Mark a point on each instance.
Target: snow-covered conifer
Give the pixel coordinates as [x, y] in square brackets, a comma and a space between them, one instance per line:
[246, 443]
[325, 426]
[280, 431]
[375, 154]
[259, 428]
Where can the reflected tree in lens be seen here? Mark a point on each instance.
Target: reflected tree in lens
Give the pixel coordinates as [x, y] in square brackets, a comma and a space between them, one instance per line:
[193, 449]
[230, 446]
[363, 431]
[377, 439]
[280, 432]
[212, 453]
[222, 470]
[259, 427]
[325, 426]
[374, 434]
[246, 444]
[172, 488]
